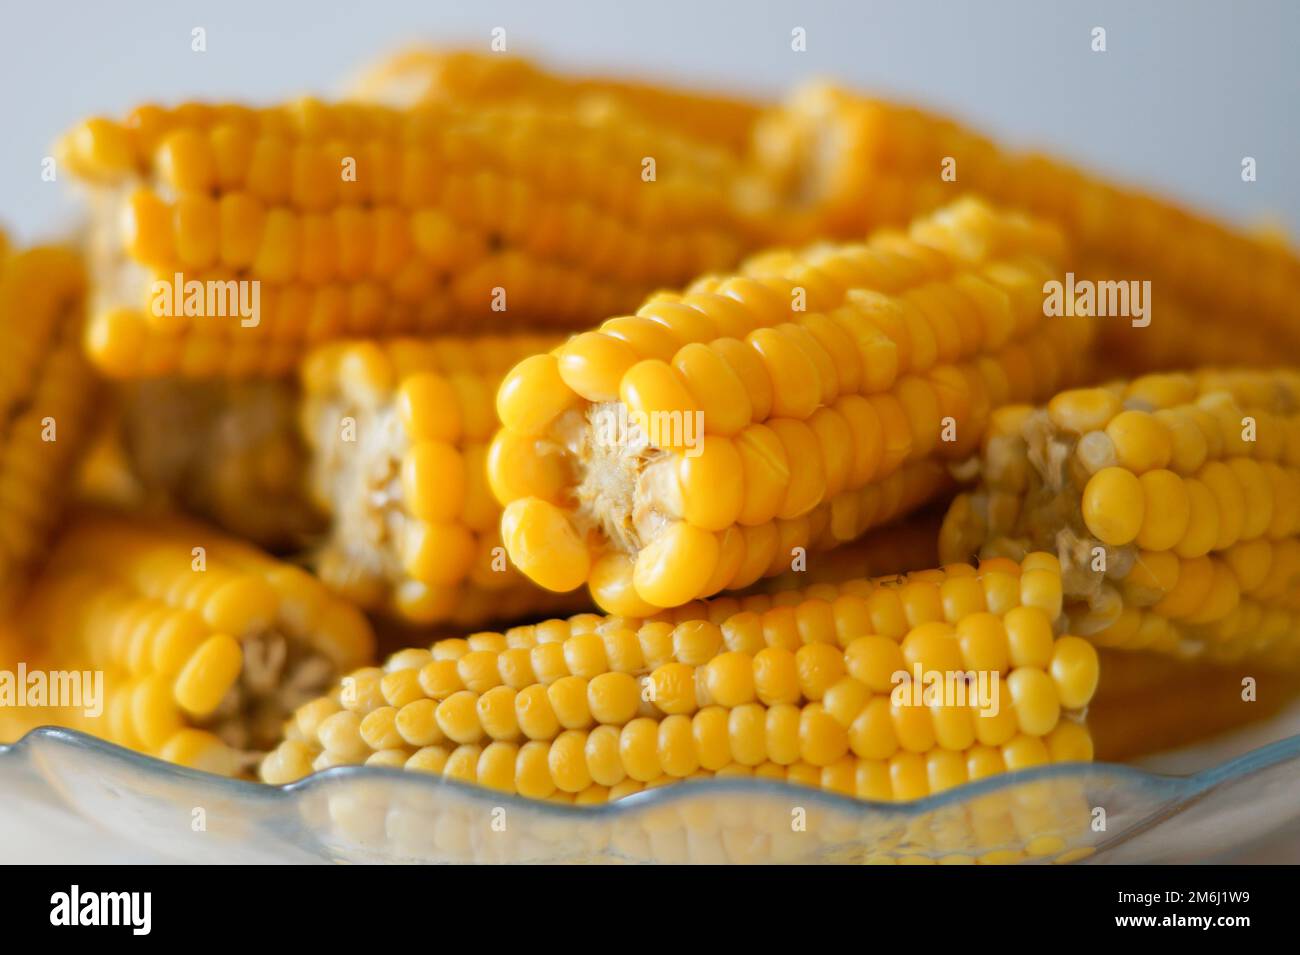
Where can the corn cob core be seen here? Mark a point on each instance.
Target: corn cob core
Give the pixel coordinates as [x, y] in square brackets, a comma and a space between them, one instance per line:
[46, 402]
[398, 432]
[205, 643]
[690, 448]
[793, 687]
[469, 77]
[1172, 500]
[355, 218]
[227, 451]
[1220, 295]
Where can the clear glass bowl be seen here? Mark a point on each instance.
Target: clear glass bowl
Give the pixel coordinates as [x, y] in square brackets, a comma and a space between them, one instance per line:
[1062, 813]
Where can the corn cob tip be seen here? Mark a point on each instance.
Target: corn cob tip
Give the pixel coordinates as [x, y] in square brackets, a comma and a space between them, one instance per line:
[396, 435]
[699, 444]
[1170, 500]
[205, 643]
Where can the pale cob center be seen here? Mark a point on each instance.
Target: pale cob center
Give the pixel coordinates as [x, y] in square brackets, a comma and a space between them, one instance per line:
[614, 477]
[1048, 514]
[361, 484]
[625, 487]
[278, 674]
[120, 280]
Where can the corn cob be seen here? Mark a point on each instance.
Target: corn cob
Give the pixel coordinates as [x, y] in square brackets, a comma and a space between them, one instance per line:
[227, 451]
[1146, 703]
[595, 708]
[419, 75]
[1172, 502]
[398, 434]
[205, 643]
[346, 219]
[693, 447]
[1220, 295]
[46, 402]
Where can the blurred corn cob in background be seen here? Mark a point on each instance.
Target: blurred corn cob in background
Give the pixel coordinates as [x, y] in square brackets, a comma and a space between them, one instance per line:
[205, 644]
[596, 708]
[15, 720]
[227, 451]
[47, 397]
[470, 78]
[1173, 502]
[398, 434]
[1220, 294]
[695, 446]
[1150, 702]
[358, 219]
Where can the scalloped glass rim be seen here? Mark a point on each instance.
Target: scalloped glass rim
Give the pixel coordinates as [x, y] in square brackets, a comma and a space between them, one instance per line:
[376, 814]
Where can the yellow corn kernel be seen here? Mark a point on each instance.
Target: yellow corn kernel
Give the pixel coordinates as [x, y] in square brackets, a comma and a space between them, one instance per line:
[210, 672]
[544, 545]
[1114, 505]
[807, 701]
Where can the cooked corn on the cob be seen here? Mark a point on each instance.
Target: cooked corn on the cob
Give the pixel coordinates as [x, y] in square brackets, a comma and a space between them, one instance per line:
[701, 444]
[398, 434]
[227, 451]
[228, 239]
[471, 78]
[1173, 502]
[204, 642]
[595, 708]
[47, 396]
[1217, 294]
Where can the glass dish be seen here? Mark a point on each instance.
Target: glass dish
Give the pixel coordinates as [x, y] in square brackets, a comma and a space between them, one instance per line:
[1062, 813]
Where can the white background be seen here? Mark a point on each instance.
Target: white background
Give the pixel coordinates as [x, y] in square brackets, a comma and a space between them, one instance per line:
[1184, 91]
